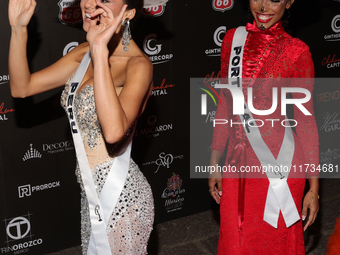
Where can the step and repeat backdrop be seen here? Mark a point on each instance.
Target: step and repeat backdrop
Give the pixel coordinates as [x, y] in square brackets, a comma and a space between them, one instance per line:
[39, 195]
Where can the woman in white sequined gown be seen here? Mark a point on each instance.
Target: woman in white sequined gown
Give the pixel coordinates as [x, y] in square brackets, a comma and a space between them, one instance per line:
[111, 97]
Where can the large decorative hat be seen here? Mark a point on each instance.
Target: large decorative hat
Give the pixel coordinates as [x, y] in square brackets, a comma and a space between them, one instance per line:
[153, 3]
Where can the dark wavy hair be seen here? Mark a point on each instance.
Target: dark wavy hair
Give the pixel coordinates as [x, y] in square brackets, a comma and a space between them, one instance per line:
[135, 4]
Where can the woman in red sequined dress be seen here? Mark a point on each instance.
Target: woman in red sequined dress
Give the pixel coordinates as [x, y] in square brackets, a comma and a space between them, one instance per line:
[269, 52]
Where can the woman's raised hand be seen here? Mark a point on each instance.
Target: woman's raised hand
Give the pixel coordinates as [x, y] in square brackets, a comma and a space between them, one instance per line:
[103, 25]
[20, 12]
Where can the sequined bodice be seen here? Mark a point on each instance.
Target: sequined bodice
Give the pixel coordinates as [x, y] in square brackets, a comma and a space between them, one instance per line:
[87, 119]
[131, 222]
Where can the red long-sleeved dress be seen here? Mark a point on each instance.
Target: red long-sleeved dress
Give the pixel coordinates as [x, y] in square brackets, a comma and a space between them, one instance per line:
[267, 54]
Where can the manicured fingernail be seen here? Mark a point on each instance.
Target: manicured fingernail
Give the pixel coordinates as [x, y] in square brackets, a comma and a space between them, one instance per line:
[220, 193]
[304, 229]
[218, 203]
[303, 217]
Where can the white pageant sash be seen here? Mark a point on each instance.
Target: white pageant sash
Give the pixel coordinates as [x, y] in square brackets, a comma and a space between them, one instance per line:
[100, 208]
[279, 196]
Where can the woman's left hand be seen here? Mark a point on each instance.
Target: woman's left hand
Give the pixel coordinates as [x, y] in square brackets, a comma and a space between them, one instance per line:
[103, 25]
[310, 201]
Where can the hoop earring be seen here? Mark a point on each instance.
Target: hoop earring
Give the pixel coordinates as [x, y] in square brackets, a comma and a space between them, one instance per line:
[126, 34]
[288, 13]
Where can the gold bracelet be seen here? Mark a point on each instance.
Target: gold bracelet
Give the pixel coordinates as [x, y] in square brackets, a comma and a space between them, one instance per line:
[314, 193]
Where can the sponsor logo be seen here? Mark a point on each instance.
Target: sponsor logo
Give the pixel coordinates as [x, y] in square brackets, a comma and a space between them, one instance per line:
[331, 122]
[173, 193]
[153, 130]
[58, 147]
[222, 5]
[31, 153]
[328, 156]
[218, 39]
[162, 89]
[152, 49]
[328, 96]
[27, 190]
[4, 79]
[212, 79]
[331, 61]
[164, 160]
[4, 111]
[69, 12]
[155, 11]
[335, 25]
[19, 228]
[70, 46]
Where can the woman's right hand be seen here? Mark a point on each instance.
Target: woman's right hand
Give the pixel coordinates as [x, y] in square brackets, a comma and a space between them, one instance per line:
[215, 186]
[20, 12]
[215, 178]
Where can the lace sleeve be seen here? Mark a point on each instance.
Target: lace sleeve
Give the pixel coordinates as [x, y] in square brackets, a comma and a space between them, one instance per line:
[306, 129]
[221, 132]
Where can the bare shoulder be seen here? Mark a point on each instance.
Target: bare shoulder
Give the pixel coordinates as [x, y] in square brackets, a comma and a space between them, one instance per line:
[140, 64]
[78, 52]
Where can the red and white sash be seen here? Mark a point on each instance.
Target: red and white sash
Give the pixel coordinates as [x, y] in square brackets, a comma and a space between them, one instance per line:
[279, 197]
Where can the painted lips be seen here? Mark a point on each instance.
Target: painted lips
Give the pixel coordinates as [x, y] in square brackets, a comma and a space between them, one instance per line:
[264, 18]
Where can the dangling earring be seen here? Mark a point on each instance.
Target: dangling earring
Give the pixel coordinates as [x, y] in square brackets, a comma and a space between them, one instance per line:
[126, 34]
